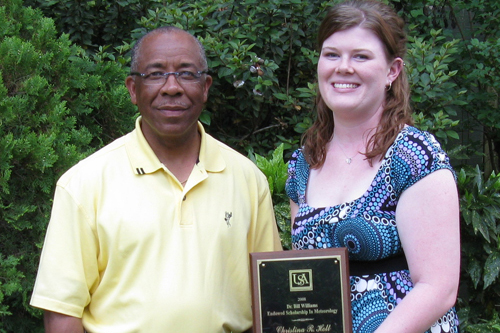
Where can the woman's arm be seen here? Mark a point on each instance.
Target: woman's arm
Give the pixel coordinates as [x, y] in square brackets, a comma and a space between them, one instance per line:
[59, 323]
[428, 223]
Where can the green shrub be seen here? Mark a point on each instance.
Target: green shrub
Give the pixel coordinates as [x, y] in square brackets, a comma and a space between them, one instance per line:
[480, 211]
[456, 65]
[56, 106]
[93, 24]
[472, 29]
[492, 326]
[434, 94]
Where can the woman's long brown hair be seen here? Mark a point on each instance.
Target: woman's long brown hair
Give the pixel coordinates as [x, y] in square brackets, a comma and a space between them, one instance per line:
[389, 28]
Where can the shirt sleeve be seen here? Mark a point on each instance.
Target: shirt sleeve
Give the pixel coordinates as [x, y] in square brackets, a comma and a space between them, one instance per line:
[264, 235]
[68, 269]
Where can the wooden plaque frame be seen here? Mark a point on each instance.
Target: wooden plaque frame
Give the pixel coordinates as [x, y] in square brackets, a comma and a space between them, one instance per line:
[301, 291]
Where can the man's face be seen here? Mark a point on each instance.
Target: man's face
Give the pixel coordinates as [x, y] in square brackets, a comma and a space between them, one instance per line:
[169, 111]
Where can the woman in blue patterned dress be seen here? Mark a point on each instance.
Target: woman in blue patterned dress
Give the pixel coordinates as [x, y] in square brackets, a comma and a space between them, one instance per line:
[366, 179]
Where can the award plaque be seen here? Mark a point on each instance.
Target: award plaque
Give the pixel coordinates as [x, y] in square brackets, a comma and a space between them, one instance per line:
[301, 291]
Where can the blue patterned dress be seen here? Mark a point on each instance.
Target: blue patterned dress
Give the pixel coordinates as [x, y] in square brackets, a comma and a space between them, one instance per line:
[367, 226]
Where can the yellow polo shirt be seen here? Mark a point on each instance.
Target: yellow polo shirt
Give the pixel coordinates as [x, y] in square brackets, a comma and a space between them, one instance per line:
[128, 249]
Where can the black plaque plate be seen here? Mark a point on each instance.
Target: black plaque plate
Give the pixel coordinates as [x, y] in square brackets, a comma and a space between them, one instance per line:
[301, 291]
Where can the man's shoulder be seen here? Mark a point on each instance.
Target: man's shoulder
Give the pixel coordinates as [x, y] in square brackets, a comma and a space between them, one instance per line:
[95, 163]
[231, 155]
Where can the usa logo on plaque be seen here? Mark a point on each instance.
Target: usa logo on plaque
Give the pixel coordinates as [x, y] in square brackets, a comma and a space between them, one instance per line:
[301, 280]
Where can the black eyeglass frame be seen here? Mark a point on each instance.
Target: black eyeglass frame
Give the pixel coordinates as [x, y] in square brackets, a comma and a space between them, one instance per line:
[196, 75]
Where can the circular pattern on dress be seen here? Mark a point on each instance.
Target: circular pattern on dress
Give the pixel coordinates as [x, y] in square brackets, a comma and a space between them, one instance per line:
[368, 313]
[367, 226]
[362, 239]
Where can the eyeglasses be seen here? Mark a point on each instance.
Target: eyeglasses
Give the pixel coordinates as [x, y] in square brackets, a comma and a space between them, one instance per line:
[159, 78]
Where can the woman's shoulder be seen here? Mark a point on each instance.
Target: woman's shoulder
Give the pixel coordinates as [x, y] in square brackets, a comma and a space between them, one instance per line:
[297, 158]
[298, 173]
[296, 155]
[418, 137]
[416, 153]
[416, 142]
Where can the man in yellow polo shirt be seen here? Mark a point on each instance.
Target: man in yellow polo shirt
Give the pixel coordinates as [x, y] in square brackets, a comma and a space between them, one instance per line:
[152, 233]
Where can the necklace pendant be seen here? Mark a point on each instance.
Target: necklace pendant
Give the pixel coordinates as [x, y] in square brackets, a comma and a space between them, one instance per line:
[348, 160]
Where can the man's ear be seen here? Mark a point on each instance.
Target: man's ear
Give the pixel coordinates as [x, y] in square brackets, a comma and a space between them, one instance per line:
[130, 83]
[208, 84]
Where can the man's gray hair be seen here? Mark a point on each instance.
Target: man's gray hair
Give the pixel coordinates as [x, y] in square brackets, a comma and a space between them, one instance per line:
[136, 50]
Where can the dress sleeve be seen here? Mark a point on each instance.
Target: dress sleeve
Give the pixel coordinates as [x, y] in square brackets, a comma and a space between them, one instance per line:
[414, 156]
[291, 187]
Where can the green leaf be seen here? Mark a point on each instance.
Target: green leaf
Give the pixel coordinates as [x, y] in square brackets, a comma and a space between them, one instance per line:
[491, 269]
[475, 271]
[225, 71]
[281, 96]
[205, 118]
[452, 134]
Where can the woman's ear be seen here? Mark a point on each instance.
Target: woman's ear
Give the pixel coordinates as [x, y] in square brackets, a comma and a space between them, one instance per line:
[394, 70]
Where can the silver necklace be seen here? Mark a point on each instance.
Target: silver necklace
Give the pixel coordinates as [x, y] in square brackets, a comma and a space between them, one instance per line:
[348, 159]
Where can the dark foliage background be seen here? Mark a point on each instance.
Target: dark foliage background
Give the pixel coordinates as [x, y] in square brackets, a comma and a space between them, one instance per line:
[62, 67]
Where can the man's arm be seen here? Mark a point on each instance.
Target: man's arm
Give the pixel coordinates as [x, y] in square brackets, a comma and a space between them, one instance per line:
[59, 323]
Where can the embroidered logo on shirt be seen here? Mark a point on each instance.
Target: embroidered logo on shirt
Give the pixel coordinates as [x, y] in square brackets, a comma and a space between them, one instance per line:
[228, 219]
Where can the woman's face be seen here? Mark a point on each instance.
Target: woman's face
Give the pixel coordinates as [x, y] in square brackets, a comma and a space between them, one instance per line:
[353, 73]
